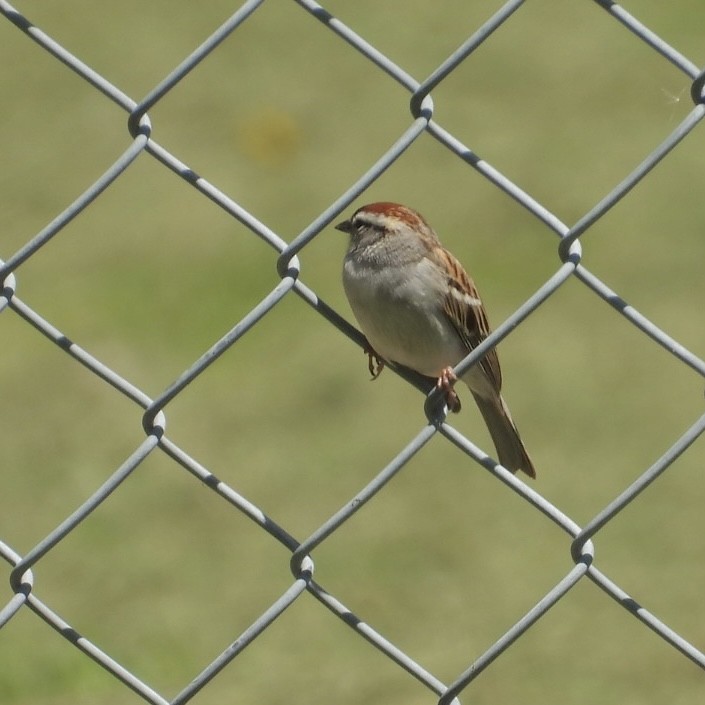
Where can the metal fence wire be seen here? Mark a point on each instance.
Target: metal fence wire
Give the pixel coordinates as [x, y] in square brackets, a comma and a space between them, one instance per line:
[26, 593]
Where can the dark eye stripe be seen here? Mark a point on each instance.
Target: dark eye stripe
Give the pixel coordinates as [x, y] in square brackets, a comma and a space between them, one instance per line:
[363, 222]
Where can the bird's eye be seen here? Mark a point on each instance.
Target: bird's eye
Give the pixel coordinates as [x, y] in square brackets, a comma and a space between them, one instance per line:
[361, 225]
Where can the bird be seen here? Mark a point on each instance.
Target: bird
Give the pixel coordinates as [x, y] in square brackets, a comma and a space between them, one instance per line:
[418, 307]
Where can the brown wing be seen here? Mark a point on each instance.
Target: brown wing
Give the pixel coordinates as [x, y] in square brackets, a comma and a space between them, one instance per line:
[467, 314]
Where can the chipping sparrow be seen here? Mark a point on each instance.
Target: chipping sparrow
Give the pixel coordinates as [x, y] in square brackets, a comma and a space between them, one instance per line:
[417, 307]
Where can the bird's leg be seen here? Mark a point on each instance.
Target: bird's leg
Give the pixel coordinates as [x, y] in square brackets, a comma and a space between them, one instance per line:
[446, 382]
[375, 364]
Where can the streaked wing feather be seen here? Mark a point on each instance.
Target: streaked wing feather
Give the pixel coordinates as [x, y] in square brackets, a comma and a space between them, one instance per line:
[467, 314]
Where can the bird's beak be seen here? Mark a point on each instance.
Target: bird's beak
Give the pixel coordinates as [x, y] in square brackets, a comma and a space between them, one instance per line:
[344, 226]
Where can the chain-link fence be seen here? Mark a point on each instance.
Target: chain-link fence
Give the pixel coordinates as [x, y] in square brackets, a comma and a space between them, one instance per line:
[48, 526]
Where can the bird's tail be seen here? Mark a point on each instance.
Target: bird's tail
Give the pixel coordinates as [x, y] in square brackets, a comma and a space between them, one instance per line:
[510, 449]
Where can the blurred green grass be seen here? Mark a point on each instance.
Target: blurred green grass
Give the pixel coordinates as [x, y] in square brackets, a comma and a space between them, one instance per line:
[283, 117]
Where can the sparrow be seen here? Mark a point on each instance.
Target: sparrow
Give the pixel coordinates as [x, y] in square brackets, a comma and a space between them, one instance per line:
[418, 307]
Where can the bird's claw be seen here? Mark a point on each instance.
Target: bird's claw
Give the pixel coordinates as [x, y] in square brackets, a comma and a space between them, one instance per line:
[446, 383]
[375, 364]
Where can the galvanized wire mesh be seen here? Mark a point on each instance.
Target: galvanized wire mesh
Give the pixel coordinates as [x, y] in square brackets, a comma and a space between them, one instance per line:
[569, 267]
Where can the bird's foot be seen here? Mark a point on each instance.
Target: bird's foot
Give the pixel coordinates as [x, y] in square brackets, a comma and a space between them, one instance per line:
[375, 364]
[446, 383]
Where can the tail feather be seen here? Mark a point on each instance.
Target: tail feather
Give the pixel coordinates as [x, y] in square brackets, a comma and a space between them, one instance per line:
[510, 449]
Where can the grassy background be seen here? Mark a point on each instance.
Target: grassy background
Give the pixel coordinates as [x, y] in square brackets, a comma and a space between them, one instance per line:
[284, 117]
